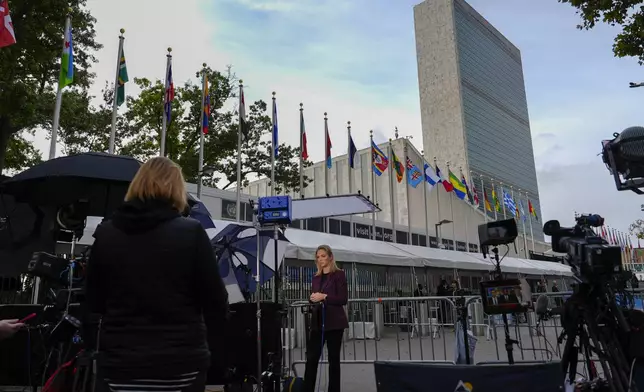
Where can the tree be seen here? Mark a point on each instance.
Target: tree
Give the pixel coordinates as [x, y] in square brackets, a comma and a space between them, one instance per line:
[144, 124]
[84, 128]
[637, 228]
[628, 14]
[29, 71]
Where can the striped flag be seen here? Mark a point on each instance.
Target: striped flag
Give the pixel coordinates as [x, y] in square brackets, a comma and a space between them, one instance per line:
[123, 78]
[7, 35]
[169, 94]
[66, 76]
[206, 106]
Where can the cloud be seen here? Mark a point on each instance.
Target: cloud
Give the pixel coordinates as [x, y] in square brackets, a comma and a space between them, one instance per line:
[356, 61]
[586, 188]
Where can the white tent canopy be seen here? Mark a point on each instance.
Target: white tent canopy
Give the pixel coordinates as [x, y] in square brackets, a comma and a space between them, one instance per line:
[303, 245]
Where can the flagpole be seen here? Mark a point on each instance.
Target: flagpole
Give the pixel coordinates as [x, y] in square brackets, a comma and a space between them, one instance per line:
[531, 217]
[201, 136]
[407, 193]
[59, 95]
[496, 213]
[438, 226]
[115, 107]
[467, 225]
[426, 209]
[373, 190]
[392, 173]
[273, 146]
[451, 207]
[351, 229]
[164, 124]
[523, 219]
[505, 216]
[239, 147]
[484, 198]
[301, 157]
[326, 165]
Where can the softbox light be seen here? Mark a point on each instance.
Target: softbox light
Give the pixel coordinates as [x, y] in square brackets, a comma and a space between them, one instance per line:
[330, 206]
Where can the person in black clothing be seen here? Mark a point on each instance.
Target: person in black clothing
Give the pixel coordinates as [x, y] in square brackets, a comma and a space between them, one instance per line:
[153, 277]
[442, 291]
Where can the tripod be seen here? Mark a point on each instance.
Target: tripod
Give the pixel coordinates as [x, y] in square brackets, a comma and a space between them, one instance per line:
[506, 327]
[593, 318]
[461, 311]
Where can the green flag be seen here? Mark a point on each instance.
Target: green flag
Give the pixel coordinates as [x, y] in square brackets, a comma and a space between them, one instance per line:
[120, 91]
[67, 59]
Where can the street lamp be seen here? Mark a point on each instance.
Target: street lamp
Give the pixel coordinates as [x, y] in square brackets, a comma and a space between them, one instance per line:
[205, 171]
[634, 85]
[439, 233]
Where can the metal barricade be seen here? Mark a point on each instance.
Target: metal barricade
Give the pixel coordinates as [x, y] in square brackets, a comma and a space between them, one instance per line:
[422, 329]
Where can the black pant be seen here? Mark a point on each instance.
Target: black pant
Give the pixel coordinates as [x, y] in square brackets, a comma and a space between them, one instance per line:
[333, 340]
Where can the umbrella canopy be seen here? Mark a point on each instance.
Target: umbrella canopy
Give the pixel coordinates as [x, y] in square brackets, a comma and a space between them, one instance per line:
[237, 249]
[100, 178]
[199, 212]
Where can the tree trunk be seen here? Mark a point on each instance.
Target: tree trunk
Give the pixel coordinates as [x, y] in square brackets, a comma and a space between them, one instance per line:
[5, 134]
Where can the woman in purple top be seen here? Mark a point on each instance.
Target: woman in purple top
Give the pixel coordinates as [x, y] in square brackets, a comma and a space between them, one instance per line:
[329, 319]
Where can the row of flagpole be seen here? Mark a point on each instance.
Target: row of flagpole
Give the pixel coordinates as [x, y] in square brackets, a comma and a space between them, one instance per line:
[121, 77]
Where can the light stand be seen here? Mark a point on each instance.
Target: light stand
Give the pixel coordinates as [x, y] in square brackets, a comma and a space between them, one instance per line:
[499, 276]
[461, 311]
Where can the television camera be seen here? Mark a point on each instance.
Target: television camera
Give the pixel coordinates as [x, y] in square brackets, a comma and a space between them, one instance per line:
[595, 319]
[590, 256]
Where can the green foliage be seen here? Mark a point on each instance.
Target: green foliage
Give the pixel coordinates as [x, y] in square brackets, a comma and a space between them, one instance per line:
[144, 123]
[637, 228]
[628, 14]
[29, 70]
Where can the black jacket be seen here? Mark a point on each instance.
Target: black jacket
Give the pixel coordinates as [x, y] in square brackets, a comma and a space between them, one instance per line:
[153, 276]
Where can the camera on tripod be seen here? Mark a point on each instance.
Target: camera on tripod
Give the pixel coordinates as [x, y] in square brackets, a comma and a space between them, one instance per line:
[590, 256]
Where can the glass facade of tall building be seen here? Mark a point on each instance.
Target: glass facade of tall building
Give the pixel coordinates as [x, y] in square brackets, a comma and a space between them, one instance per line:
[495, 114]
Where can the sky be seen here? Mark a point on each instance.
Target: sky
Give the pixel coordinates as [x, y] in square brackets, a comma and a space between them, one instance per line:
[356, 60]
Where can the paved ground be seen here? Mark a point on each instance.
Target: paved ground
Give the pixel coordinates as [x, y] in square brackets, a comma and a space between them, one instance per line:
[358, 355]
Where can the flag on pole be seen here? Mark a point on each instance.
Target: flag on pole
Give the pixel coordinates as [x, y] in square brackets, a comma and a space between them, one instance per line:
[120, 91]
[487, 202]
[495, 200]
[521, 211]
[470, 197]
[353, 151]
[398, 166]
[7, 35]
[414, 175]
[457, 185]
[169, 94]
[509, 203]
[206, 106]
[380, 160]
[276, 145]
[242, 115]
[305, 151]
[475, 194]
[327, 149]
[66, 76]
[431, 177]
[532, 211]
[446, 184]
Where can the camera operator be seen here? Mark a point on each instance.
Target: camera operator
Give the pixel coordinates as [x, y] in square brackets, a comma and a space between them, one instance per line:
[8, 328]
[153, 276]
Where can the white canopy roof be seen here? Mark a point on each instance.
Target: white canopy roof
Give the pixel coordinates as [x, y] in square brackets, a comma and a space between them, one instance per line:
[303, 245]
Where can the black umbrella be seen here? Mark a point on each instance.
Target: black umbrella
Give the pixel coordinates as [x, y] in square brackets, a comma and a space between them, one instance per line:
[101, 179]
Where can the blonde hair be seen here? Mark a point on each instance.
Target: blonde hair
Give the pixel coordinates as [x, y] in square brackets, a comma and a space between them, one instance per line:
[329, 253]
[159, 178]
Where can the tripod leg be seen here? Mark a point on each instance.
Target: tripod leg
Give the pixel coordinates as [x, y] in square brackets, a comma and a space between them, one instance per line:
[609, 370]
[508, 341]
